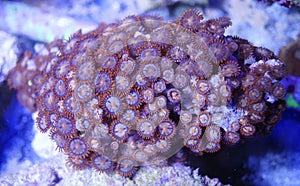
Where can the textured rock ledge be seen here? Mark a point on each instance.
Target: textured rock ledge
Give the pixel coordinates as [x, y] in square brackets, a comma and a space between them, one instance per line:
[55, 172]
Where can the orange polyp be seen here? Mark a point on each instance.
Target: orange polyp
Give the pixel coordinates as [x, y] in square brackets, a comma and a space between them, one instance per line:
[146, 128]
[204, 118]
[64, 126]
[278, 90]
[232, 137]
[191, 19]
[247, 130]
[212, 147]
[261, 53]
[102, 163]
[42, 122]
[212, 133]
[78, 163]
[230, 69]
[77, 147]
[218, 51]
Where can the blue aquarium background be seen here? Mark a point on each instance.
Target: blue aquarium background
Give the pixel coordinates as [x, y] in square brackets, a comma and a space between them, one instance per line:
[270, 160]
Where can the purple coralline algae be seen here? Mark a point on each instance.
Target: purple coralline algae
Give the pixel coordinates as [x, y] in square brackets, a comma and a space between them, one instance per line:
[135, 92]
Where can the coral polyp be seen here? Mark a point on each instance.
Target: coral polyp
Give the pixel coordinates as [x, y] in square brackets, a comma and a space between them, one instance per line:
[64, 126]
[143, 91]
[230, 69]
[191, 19]
[42, 122]
[146, 128]
[119, 130]
[102, 163]
[60, 88]
[83, 92]
[204, 118]
[166, 129]
[77, 147]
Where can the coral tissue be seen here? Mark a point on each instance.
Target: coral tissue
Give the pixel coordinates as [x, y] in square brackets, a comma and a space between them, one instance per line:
[142, 91]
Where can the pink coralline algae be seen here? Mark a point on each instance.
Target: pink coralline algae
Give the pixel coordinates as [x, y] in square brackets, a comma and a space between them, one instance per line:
[142, 91]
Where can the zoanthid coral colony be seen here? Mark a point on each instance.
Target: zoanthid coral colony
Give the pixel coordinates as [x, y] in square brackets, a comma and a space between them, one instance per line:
[140, 91]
